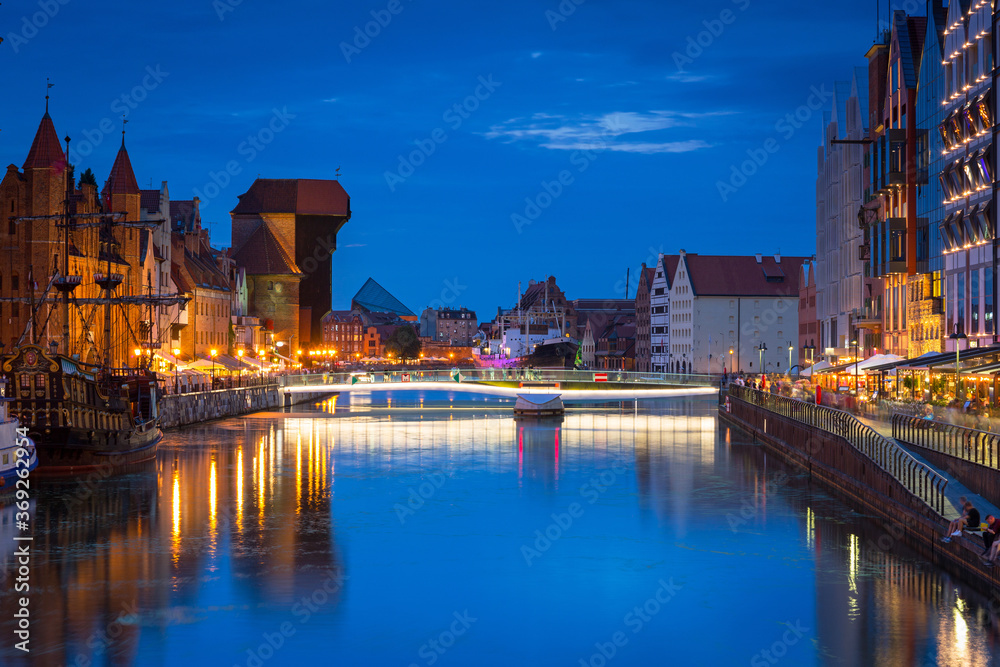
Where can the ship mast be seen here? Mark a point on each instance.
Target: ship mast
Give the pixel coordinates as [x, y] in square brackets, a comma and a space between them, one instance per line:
[64, 283]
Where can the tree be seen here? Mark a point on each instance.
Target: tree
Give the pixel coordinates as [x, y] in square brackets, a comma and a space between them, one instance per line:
[403, 343]
[88, 178]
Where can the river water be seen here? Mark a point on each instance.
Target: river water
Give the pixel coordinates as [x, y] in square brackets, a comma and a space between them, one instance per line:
[436, 530]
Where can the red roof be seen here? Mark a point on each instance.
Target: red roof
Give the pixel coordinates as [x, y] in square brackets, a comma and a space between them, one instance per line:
[149, 200]
[263, 255]
[648, 273]
[737, 275]
[45, 150]
[301, 196]
[121, 181]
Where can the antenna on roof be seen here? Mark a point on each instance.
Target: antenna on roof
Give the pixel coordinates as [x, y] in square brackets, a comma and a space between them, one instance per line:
[48, 85]
[336, 174]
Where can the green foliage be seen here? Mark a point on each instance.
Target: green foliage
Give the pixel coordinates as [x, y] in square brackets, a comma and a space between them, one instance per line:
[88, 177]
[403, 343]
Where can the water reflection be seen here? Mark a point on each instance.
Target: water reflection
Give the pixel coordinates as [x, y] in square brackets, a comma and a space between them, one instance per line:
[108, 571]
[197, 556]
[877, 602]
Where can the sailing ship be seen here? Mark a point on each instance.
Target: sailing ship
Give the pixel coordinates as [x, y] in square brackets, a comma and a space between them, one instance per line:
[86, 414]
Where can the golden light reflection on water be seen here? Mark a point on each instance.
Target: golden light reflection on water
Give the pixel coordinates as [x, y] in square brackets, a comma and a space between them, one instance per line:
[212, 506]
[903, 606]
[175, 541]
[854, 552]
[239, 489]
[810, 529]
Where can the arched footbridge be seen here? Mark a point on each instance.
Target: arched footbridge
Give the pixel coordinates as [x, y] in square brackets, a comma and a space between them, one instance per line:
[573, 385]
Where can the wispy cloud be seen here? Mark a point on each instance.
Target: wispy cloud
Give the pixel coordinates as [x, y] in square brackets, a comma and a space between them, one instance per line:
[605, 132]
[687, 77]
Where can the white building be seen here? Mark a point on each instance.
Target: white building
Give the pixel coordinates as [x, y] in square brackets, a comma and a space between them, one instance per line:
[723, 309]
[659, 313]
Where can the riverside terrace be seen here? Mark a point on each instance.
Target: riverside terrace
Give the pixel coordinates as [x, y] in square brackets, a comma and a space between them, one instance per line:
[574, 385]
[909, 473]
[930, 377]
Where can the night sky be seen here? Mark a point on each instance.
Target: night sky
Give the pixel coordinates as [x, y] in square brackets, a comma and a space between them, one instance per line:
[481, 143]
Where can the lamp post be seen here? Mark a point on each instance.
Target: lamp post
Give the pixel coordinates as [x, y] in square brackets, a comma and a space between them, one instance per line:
[855, 344]
[731, 369]
[177, 385]
[239, 355]
[789, 359]
[957, 336]
[762, 348]
[213, 352]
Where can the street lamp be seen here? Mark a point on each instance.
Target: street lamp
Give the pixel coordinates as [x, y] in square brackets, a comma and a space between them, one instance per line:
[762, 348]
[957, 336]
[789, 358]
[213, 352]
[855, 344]
[731, 370]
[177, 385]
[239, 354]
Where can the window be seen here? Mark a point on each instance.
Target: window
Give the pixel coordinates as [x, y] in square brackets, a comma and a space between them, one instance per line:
[15, 282]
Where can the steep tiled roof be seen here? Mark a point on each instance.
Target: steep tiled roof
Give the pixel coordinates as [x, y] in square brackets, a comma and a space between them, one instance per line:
[737, 275]
[196, 269]
[374, 298]
[45, 150]
[121, 180]
[646, 277]
[301, 196]
[182, 215]
[263, 255]
[149, 200]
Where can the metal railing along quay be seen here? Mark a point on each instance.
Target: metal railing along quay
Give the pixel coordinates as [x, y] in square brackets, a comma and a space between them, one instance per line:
[968, 444]
[918, 478]
[597, 377]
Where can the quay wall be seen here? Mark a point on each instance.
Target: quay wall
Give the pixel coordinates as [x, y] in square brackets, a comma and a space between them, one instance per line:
[183, 409]
[904, 517]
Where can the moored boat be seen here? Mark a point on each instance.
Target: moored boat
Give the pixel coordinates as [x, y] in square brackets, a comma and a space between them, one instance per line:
[553, 353]
[82, 417]
[17, 451]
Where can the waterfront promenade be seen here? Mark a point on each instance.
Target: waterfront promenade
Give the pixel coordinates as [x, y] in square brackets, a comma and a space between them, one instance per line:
[913, 487]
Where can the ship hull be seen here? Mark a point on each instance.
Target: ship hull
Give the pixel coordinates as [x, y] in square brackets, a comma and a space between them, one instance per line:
[71, 452]
[553, 355]
[81, 418]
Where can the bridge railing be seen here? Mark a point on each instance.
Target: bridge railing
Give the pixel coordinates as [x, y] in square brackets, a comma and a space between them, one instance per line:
[968, 444]
[543, 375]
[918, 478]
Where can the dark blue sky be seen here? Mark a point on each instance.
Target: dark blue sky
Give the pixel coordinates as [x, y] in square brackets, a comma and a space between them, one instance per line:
[598, 97]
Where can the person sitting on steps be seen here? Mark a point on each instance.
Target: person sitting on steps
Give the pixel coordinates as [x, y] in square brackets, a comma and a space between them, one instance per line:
[991, 546]
[970, 517]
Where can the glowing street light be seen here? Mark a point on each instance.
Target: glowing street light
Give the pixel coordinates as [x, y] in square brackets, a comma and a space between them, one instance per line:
[177, 385]
[213, 352]
[239, 353]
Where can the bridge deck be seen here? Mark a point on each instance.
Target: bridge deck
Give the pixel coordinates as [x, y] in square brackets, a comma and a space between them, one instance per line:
[568, 395]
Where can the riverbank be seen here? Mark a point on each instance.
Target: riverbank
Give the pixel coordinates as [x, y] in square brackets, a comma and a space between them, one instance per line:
[839, 467]
[178, 410]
